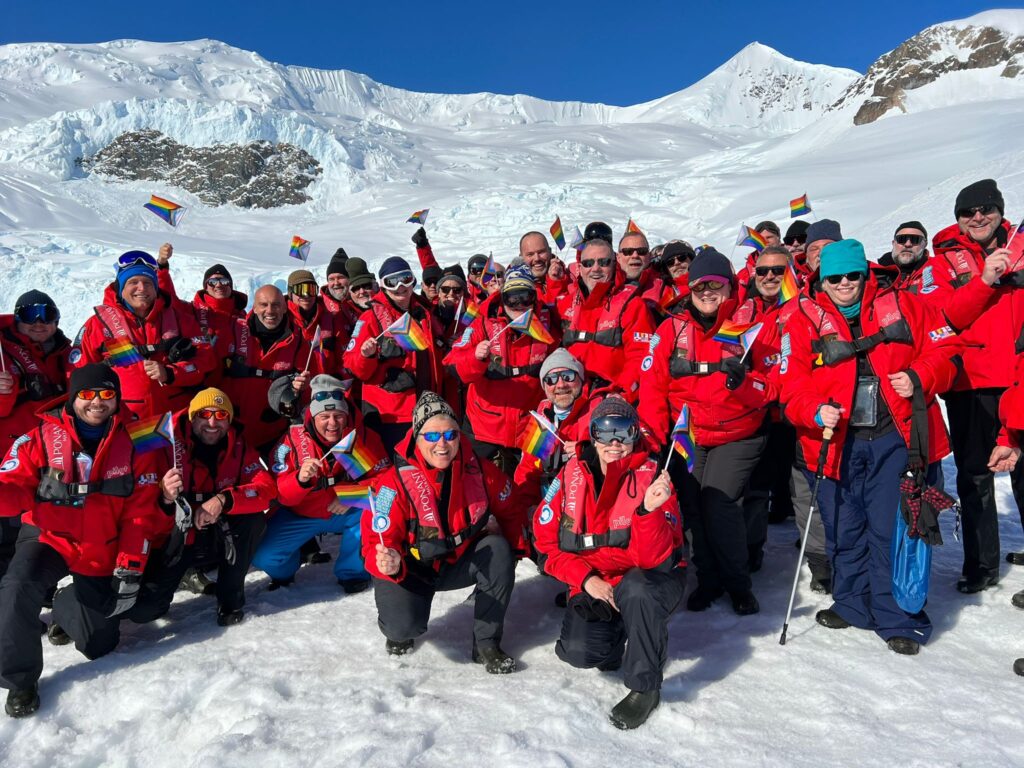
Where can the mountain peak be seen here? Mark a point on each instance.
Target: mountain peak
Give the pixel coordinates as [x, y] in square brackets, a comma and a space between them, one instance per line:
[1008, 20]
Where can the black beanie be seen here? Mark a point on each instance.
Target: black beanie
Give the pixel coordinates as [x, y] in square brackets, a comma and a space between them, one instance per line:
[912, 225]
[337, 263]
[94, 376]
[984, 192]
[477, 260]
[217, 269]
[677, 248]
[709, 263]
[797, 228]
[35, 297]
[771, 226]
[432, 274]
[453, 273]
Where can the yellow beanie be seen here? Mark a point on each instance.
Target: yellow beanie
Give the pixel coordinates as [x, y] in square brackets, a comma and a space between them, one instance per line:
[211, 397]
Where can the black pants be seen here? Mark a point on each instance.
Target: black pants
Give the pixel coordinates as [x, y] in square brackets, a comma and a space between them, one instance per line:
[714, 511]
[9, 527]
[973, 427]
[403, 608]
[767, 493]
[636, 637]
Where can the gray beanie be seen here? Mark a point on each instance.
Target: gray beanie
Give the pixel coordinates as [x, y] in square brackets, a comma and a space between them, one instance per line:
[322, 383]
[826, 229]
[429, 405]
[613, 405]
[561, 358]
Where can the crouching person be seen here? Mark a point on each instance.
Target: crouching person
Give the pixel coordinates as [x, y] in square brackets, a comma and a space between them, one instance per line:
[445, 520]
[91, 511]
[609, 528]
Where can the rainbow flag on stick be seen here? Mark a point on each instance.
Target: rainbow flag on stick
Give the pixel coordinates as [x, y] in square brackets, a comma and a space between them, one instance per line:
[790, 285]
[151, 433]
[632, 228]
[353, 455]
[299, 249]
[683, 441]
[557, 233]
[490, 270]
[577, 239]
[420, 217]
[468, 314]
[531, 325]
[799, 206]
[407, 334]
[751, 237]
[122, 353]
[743, 334]
[353, 496]
[541, 437]
[165, 209]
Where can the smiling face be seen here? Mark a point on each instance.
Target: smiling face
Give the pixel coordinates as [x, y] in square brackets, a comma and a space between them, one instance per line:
[536, 254]
[337, 286]
[769, 285]
[980, 226]
[611, 452]
[330, 425]
[441, 454]
[210, 430]
[95, 411]
[562, 393]
[707, 299]
[634, 255]
[846, 292]
[268, 306]
[218, 286]
[139, 294]
[37, 332]
[907, 253]
[597, 264]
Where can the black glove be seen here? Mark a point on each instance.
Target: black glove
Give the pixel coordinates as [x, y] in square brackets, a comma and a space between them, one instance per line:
[179, 349]
[735, 372]
[126, 585]
[419, 238]
[590, 609]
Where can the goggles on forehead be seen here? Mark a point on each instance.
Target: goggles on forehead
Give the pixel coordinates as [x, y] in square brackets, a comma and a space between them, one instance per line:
[401, 279]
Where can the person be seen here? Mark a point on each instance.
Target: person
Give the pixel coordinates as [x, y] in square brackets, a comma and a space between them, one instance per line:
[535, 251]
[598, 230]
[969, 262]
[335, 292]
[609, 529]
[493, 283]
[307, 475]
[449, 521]
[910, 255]
[391, 374]
[453, 318]
[772, 235]
[819, 234]
[474, 273]
[674, 263]
[88, 504]
[1005, 454]
[634, 260]
[795, 241]
[852, 363]
[727, 391]
[321, 329]
[608, 330]
[499, 367]
[360, 285]
[165, 353]
[222, 480]
[35, 370]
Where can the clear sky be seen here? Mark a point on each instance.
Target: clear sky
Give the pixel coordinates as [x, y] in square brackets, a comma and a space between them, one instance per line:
[612, 52]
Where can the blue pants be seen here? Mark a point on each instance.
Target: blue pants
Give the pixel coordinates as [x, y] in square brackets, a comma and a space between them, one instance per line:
[278, 553]
[859, 513]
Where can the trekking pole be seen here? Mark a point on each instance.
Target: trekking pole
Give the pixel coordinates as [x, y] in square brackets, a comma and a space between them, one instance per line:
[826, 440]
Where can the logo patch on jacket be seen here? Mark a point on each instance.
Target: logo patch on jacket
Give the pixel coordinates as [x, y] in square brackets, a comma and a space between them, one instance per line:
[9, 466]
[944, 332]
[647, 364]
[383, 500]
[653, 345]
[355, 333]
[552, 490]
[546, 515]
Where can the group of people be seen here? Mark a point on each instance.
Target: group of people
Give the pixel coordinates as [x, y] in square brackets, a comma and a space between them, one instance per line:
[406, 423]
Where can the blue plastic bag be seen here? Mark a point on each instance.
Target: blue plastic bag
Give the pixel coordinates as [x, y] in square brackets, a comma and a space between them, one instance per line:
[911, 567]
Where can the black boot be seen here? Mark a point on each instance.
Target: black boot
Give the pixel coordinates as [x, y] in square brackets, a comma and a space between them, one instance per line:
[354, 586]
[398, 647]
[831, 619]
[905, 646]
[276, 584]
[311, 553]
[1018, 599]
[197, 582]
[1018, 667]
[56, 635]
[495, 660]
[971, 585]
[702, 598]
[229, 618]
[633, 711]
[821, 576]
[1015, 558]
[744, 603]
[22, 703]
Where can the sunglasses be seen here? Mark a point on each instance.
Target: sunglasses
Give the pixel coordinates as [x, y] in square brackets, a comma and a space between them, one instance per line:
[518, 298]
[92, 394]
[611, 428]
[453, 289]
[303, 289]
[368, 288]
[449, 435]
[215, 282]
[37, 313]
[969, 213]
[400, 280]
[328, 394]
[499, 275]
[678, 259]
[588, 263]
[555, 376]
[707, 285]
[795, 239]
[909, 239]
[476, 270]
[212, 413]
[135, 257]
[853, 277]
[631, 251]
[430, 283]
[765, 271]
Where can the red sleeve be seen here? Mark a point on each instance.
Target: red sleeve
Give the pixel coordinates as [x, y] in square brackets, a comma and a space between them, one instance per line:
[567, 567]
[165, 283]
[91, 343]
[21, 476]
[655, 535]
[426, 257]
[463, 355]
[654, 410]
[800, 396]
[366, 328]
[935, 346]
[256, 489]
[637, 327]
[395, 537]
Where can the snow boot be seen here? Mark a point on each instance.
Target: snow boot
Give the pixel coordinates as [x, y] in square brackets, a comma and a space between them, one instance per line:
[398, 647]
[56, 635]
[276, 584]
[1015, 558]
[744, 603]
[633, 711]
[702, 598]
[974, 584]
[22, 703]
[1018, 667]
[905, 646]
[311, 554]
[354, 586]
[831, 619]
[1018, 599]
[495, 660]
[229, 618]
[197, 582]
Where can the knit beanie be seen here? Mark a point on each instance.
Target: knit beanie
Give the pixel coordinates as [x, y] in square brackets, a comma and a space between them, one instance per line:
[337, 263]
[984, 192]
[912, 225]
[518, 279]
[217, 269]
[843, 257]
[94, 376]
[141, 268]
[321, 384]
[432, 274]
[677, 248]
[771, 226]
[211, 397]
[429, 405]
[613, 406]
[300, 276]
[709, 263]
[33, 297]
[826, 229]
[393, 265]
[559, 359]
[797, 228]
[453, 275]
[358, 274]
[477, 260]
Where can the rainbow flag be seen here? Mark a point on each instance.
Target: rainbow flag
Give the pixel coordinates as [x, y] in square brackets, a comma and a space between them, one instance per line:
[490, 270]
[165, 209]
[751, 237]
[299, 249]
[737, 333]
[356, 496]
[632, 228]
[122, 353]
[469, 314]
[530, 324]
[420, 217]
[799, 206]
[577, 239]
[790, 285]
[557, 233]
[353, 455]
[541, 439]
[683, 441]
[407, 334]
[151, 433]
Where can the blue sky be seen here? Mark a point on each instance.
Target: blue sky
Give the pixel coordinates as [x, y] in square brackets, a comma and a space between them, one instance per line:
[612, 52]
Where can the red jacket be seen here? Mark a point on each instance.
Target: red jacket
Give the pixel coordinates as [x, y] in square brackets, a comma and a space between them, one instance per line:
[629, 536]
[675, 292]
[392, 378]
[168, 319]
[987, 318]
[504, 387]
[807, 384]
[334, 336]
[673, 377]
[112, 525]
[409, 495]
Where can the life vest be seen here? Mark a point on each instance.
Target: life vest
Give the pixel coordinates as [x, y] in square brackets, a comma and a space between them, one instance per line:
[114, 326]
[306, 447]
[681, 362]
[893, 327]
[428, 541]
[397, 379]
[237, 366]
[35, 384]
[229, 469]
[572, 537]
[611, 317]
[61, 463]
[496, 369]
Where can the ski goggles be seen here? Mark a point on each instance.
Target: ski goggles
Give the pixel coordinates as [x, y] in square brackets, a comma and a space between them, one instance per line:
[795, 239]
[608, 429]
[216, 282]
[213, 413]
[568, 376]
[135, 257]
[707, 285]
[765, 271]
[969, 213]
[303, 289]
[603, 262]
[853, 277]
[908, 239]
[399, 280]
[449, 435]
[328, 394]
[638, 251]
[519, 299]
[37, 313]
[92, 394]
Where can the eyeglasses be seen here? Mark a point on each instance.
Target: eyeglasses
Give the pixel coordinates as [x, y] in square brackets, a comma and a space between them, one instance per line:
[92, 394]
[518, 299]
[795, 239]
[432, 437]
[853, 277]
[588, 263]
[37, 313]
[303, 289]
[631, 251]
[765, 271]
[328, 394]
[135, 257]
[213, 413]
[607, 429]
[707, 285]
[969, 213]
[908, 239]
[453, 289]
[216, 282]
[399, 280]
[568, 376]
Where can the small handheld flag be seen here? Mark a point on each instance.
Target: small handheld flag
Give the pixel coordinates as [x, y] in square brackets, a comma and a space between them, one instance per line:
[743, 334]
[531, 325]
[541, 437]
[353, 455]
[122, 353]
[752, 238]
[467, 313]
[316, 344]
[577, 239]
[353, 496]
[420, 217]
[683, 441]
[407, 334]
[151, 433]
[558, 234]
[165, 209]
[299, 249]
[790, 285]
[490, 270]
[800, 206]
[632, 228]
[380, 520]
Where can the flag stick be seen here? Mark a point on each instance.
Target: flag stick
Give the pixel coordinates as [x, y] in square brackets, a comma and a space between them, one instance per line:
[671, 450]
[174, 448]
[316, 335]
[458, 313]
[3, 363]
